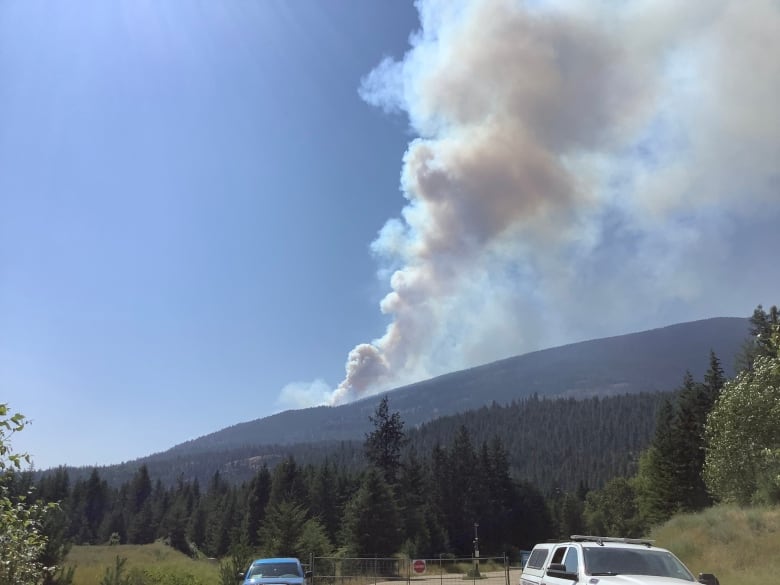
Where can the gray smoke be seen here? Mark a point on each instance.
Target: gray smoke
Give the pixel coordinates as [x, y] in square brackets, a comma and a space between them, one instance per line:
[578, 167]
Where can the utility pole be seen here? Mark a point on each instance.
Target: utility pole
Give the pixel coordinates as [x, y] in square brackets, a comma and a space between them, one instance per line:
[476, 549]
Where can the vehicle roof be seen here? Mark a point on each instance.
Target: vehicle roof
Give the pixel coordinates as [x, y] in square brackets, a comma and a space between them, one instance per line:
[612, 542]
[275, 560]
[632, 545]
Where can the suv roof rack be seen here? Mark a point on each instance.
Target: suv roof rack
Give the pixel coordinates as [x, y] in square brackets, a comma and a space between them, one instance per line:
[602, 539]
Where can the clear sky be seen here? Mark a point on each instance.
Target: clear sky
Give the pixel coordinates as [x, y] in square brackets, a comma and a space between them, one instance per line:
[208, 208]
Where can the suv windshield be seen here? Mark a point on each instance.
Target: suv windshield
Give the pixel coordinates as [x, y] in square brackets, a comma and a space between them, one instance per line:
[271, 570]
[625, 561]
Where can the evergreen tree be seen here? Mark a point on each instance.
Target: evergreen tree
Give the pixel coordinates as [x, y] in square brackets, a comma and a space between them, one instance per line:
[529, 517]
[383, 444]
[287, 484]
[257, 499]
[497, 500]
[372, 524]
[174, 526]
[714, 378]
[54, 486]
[94, 506]
[570, 516]
[197, 525]
[140, 526]
[459, 507]
[57, 547]
[656, 484]
[283, 529]
[762, 324]
[413, 507]
[216, 507]
[694, 404]
[314, 540]
[325, 500]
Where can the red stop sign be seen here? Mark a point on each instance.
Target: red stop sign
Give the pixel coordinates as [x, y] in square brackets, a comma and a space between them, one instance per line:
[418, 565]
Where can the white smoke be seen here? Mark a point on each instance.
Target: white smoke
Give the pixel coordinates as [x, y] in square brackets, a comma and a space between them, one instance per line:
[302, 394]
[577, 166]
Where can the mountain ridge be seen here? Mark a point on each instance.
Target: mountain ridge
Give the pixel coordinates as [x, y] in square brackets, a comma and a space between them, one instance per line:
[646, 361]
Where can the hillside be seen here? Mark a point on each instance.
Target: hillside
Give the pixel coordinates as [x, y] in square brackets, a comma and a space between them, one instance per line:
[650, 361]
[738, 545]
[495, 399]
[589, 440]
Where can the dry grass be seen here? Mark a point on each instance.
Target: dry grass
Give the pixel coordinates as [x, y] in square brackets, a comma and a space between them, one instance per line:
[741, 546]
[166, 564]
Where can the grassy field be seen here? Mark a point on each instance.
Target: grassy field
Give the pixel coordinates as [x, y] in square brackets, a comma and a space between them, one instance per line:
[741, 546]
[151, 563]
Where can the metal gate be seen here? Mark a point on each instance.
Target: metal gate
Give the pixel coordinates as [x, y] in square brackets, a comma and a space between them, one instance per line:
[439, 571]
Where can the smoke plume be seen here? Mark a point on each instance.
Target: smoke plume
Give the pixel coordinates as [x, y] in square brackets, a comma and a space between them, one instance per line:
[577, 167]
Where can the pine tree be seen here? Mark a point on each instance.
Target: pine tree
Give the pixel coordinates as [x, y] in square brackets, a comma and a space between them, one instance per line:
[459, 509]
[287, 484]
[714, 378]
[413, 506]
[762, 325]
[95, 505]
[325, 500]
[257, 499]
[383, 445]
[657, 490]
[140, 526]
[283, 529]
[372, 524]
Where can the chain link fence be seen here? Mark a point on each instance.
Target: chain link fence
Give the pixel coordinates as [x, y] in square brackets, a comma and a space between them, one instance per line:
[439, 571]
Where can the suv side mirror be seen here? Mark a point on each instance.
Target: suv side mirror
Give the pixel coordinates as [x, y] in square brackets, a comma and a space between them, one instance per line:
[708, 579]
[307, 575]
[239, 576]
[559, 570]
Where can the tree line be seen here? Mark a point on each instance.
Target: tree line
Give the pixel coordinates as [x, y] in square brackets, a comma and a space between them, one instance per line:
[421, 505]
[501, 466]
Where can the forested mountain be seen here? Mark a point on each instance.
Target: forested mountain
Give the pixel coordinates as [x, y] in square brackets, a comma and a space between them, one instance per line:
[550, 443]
[650, 361]
[590, 439]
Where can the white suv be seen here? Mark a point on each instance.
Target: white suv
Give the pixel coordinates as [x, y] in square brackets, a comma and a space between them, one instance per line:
[606, 561]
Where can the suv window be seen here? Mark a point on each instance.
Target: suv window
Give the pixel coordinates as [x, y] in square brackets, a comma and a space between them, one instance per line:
[606, 561]
[571, 560]
[275, 570]
[537, 558]
[559, 554]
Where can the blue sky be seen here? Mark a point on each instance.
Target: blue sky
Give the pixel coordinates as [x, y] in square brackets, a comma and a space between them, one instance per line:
[203, 204]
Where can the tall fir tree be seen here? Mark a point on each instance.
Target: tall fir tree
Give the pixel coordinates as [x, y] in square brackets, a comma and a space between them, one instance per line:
[383, 445]
[412, 504]
[657, 490]
[258, 494]
[325, 499]
[694, 404]
[372, 522]
[287, 484]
